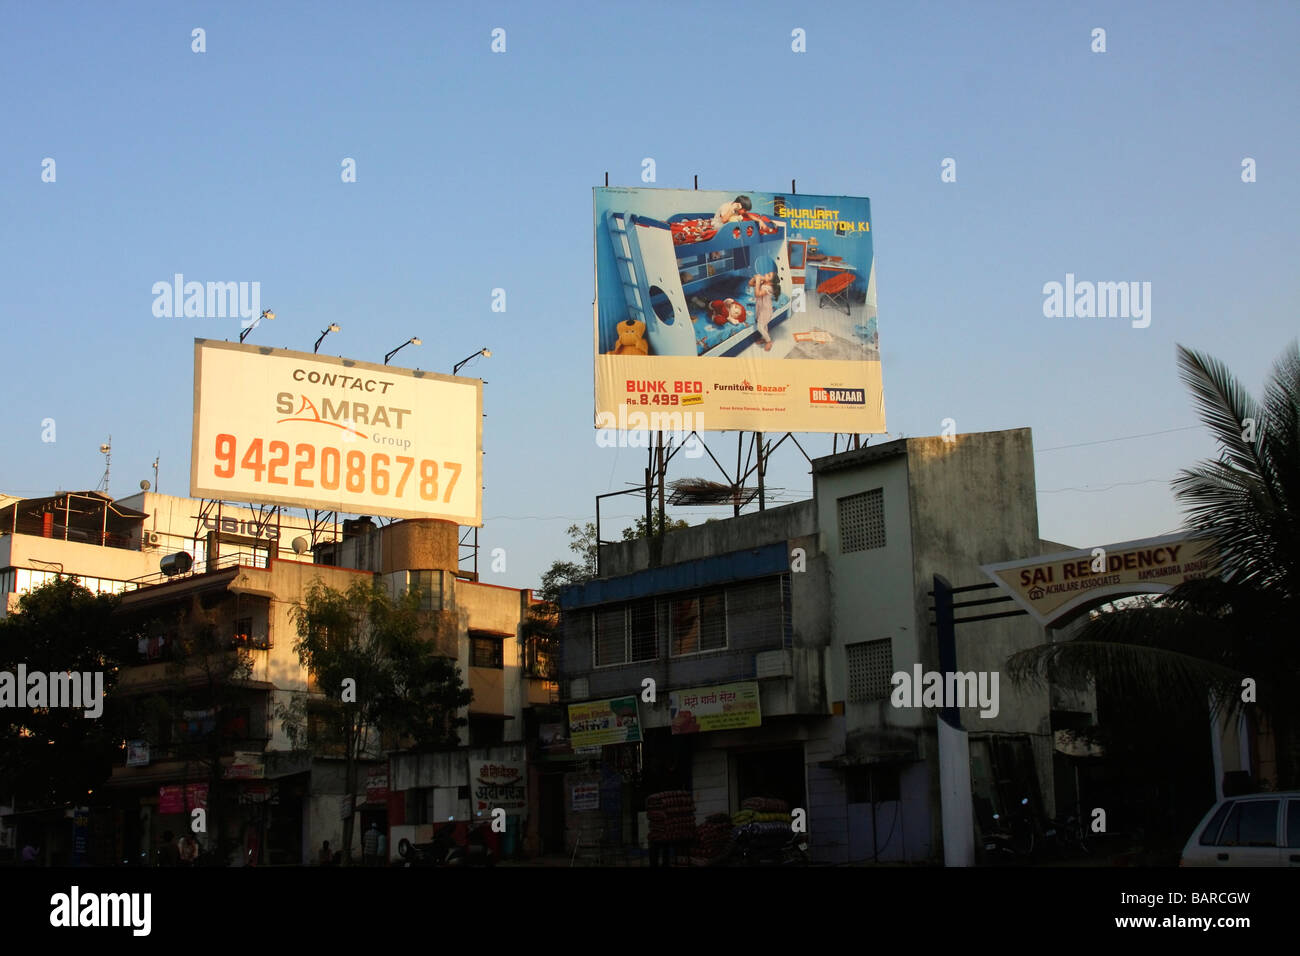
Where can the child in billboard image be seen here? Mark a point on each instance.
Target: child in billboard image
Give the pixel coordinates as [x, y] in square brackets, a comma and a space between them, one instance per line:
[732, 211]
[766, 288]
[727, 311]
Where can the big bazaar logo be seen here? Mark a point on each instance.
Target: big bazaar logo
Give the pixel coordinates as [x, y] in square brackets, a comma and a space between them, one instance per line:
[837, 396]
[315, 418]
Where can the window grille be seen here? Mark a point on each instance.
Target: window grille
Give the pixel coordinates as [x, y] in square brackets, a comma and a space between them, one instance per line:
[870, 666]
[862, 521]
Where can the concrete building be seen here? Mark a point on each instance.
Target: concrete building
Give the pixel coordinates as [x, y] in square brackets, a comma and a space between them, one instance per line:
[297, 796]
[246, 574]
[819, 604]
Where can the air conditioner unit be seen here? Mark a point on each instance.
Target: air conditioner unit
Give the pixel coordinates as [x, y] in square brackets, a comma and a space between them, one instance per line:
[153, 538]
[773, 664]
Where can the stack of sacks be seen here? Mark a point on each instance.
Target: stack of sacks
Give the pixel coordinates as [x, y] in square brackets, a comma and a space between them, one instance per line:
[671, 816]
[714, 835]
[765, 815]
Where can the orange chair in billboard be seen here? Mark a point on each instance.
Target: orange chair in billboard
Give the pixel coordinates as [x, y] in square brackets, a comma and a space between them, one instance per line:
[836, 288]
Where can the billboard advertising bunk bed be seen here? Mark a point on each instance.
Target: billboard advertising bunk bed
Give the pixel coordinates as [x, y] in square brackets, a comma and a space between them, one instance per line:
[737, 310]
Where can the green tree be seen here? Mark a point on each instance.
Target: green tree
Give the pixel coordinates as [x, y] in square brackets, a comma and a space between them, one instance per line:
[638, 529]
[51, 757]
[562, 574]
[382, 680]
[1205, 636]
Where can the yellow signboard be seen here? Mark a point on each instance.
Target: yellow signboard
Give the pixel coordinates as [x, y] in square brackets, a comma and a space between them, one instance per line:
[1051, 586]
[724, 707]
[598, 722]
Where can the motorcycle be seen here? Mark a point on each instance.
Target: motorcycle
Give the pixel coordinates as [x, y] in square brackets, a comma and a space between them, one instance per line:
[446, 850]
[758, 844]
[1071, 836]
[1013, 839]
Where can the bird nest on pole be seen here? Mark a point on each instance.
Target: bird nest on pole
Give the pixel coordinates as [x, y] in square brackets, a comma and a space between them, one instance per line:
[701, 491]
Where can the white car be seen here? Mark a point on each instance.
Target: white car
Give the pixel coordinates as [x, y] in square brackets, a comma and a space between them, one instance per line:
[1255, 829]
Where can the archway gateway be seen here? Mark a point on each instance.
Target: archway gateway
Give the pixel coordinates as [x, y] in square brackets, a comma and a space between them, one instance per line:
[1052, 589]
[1056, 587]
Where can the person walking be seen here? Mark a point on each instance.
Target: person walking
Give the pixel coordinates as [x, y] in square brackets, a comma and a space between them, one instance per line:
[30, 852]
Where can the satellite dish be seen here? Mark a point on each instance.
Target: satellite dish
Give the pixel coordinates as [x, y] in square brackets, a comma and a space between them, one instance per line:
[300, 545]
[144, 485]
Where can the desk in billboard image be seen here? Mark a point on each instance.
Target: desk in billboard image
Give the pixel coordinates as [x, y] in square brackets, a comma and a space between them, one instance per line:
[735, 310]
[310, 431]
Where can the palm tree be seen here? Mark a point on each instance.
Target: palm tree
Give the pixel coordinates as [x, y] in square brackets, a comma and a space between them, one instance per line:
[1204, 637]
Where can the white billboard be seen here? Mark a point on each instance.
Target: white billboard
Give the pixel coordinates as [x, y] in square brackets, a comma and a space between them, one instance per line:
[312, 431]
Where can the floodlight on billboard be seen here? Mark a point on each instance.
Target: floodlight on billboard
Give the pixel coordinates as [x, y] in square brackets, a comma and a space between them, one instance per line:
[311, 431]
[735, 310]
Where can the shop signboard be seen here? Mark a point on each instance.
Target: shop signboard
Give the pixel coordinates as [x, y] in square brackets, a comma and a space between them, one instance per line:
[735, 310]
[499, 783]
[137, 753]
[246, 766]
[585, 796]
[722, 707]
[377, 785]
[174, 798]
[599, 722]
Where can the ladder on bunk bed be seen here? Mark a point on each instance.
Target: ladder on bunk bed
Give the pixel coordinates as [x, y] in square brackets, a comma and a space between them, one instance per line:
[631, 270]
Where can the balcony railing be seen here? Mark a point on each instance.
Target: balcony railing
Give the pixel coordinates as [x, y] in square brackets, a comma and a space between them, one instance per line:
[252, 642]
[228, 559]
[62, 532]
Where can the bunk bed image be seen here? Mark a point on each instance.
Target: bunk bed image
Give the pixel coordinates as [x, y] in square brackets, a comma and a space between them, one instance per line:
[676, 274]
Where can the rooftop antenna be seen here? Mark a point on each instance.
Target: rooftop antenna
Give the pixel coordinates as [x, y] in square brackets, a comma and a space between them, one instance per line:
[106, 450]
[155, 473]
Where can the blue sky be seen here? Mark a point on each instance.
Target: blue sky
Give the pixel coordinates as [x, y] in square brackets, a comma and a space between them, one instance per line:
[475, 169]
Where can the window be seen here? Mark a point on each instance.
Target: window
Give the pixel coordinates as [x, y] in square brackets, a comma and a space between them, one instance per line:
[611, 635]
[429, 584]
[1293, 823]
[699, 623]
[868, 784]
[626, 633]
[641, 622]
[486, 731]
[485, 652]
[757, 612]
[870, 666]
[1251, 823]
[1211, 832]
[862, 521]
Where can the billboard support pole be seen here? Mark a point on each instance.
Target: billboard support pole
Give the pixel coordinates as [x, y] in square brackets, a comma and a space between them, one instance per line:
[660, 463]
[762, 491]
[740, 438]
[648, 499]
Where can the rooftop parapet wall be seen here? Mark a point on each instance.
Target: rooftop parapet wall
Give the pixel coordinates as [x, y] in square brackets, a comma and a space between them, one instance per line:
[752, 530]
